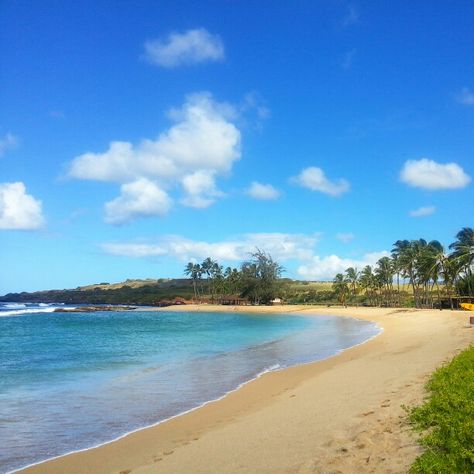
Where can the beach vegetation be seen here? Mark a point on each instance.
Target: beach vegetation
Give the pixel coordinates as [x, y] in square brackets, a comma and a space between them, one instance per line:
[418, 273]
[341, 288]
[258, 280]
[446, 419]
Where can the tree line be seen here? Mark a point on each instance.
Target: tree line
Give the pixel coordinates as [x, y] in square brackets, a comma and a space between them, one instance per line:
[431, 272]
[257, 279]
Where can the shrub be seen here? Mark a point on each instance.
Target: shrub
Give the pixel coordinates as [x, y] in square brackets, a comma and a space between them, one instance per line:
[446, 419]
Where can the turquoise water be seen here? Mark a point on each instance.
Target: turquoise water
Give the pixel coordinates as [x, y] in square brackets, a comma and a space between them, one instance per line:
[72, 381]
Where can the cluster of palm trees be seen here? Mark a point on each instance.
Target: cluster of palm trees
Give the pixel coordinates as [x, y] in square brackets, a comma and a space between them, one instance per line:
[257, 280]
[209, 277]
[430, 272]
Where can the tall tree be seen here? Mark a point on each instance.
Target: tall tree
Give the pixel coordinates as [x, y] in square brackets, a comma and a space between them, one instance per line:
[368, 283]
[463, 254]
[384, 273]
[260, 277]
[193, 270]
[353, 277]
[340, 285]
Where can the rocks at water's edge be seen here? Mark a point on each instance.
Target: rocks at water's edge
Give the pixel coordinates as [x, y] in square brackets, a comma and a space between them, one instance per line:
[91, 309]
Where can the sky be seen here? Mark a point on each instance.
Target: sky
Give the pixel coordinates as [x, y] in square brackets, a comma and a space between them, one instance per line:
[138, 136]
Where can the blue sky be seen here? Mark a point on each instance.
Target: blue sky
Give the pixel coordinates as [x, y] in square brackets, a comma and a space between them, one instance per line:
[136, 136]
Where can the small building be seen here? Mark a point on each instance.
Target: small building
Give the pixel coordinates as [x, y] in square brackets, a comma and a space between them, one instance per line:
[233, 301]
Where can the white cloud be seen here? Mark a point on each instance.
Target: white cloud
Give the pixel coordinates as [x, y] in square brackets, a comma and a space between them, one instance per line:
[262, 191]
[314, 178]
[188, 48]
[134, 249]
[202, 139]
[201, 145]
[345, 237]
[465, 97]
[200, 189]
[254, 102]
[141, 198]
[429, 174]
[18, 210]
[351, 17]
[7, 142]
[324, 268]
[348, 59]
[281, 246]
[423, 211]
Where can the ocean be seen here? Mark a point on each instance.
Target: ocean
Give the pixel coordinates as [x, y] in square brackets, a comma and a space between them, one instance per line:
[71, 381]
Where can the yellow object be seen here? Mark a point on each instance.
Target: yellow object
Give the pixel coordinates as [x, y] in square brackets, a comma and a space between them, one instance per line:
[468, 306]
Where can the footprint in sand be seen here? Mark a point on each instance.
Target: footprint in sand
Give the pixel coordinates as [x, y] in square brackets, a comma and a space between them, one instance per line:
[167, 453]
[126, 471]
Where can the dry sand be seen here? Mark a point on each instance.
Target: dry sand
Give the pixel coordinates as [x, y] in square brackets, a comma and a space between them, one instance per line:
[341, 415]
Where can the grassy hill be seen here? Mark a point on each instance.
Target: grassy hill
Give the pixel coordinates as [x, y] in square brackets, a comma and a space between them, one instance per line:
[144, 292]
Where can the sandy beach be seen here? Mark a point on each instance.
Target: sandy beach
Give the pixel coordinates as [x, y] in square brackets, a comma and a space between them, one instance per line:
[340, 415]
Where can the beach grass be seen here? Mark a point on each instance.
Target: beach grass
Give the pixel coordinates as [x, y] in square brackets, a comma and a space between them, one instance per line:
[446, 419]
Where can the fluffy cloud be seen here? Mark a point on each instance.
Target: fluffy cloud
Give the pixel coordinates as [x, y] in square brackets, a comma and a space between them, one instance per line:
[141, 198]
[200, 189]
[314, 178]
[428, 174]
[188, 48]
[345, 237]
[280, 246]
[323, 268]
[262, 191]
[283, 247]
[465, 97]
[423, 211]
[7, 142]
[18, 210]
[201, 145]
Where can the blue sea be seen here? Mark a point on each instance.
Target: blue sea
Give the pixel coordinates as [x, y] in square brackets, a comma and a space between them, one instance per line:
[70, 381]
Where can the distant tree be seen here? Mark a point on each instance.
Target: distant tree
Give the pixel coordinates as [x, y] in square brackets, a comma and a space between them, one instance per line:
[384, 273]
[340, 286]
[352, 276]
[260, 277]
[368, 282]
[463, 255]
[193, 270]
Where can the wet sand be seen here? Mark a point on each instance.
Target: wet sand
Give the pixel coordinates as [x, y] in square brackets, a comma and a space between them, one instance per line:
[340, 415]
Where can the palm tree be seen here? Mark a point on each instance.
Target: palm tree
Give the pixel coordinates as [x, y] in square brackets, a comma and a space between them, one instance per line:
[207, 269]
[433, 265]
[463, 253]
[340, 285]
[410, 256]
[353, 277]
[384, 273]
[368, 283]
[193, 270]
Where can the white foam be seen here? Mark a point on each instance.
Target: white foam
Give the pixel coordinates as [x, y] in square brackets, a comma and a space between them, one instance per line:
[14, 305]
[19, 312]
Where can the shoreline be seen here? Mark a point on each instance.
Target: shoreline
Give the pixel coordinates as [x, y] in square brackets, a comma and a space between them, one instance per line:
[266, 310]
[156, 448]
